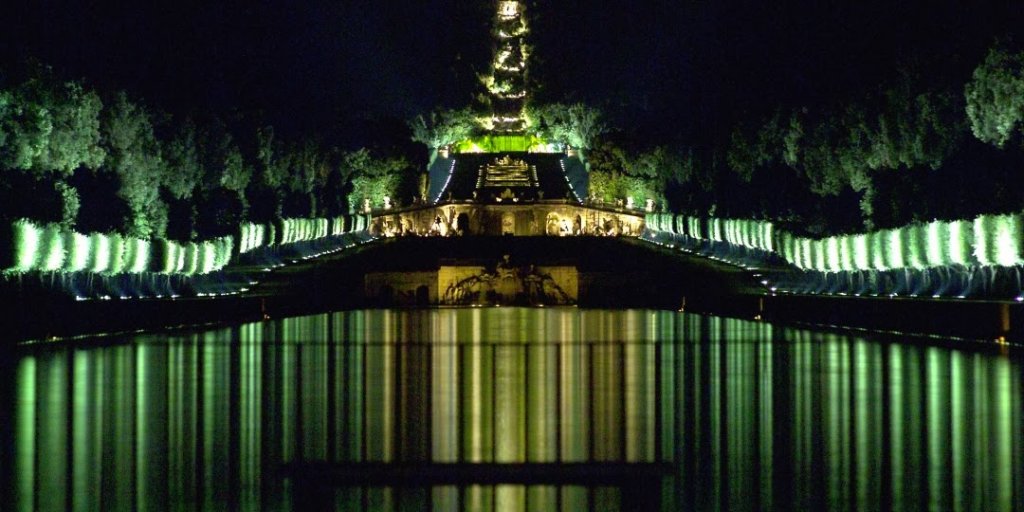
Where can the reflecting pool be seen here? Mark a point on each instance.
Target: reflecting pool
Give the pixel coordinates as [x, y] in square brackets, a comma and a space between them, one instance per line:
[747, 415]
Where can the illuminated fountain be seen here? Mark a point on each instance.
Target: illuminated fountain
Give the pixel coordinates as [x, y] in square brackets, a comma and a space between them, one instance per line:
[507, 285]
[980, 258]
[48, 259]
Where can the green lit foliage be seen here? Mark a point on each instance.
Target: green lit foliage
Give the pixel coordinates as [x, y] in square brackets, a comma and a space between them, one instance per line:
[252, 237]
[225, 179]
[576, 125]
[752, 234]
[988, 240]
[271, 175]
[117, 246]
[373, 178]
[99, 252]
[236, 174]
[500, 143]
[184, 171]
[70, 203]
[305, 166]
[303, 230]
[294, 230]
[443, 127]
[135, 157]
[27, 243]
[961, 240]
[75, 134]
[838, 148]
[995, 96]
[750, 151]
[51, 248]
[615, 176]
[52, 251]
[78, 248]
[49, 129]
[25, 124]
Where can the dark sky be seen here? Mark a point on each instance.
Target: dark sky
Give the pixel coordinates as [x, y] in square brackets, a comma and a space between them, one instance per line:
[673, 67]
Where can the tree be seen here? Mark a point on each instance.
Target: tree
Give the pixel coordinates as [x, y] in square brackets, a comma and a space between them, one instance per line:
[184, 171]
[302, 177]
[442, 128]
[74, 137]
[373, 178]
[136, 159]
[25, 125]
[49, 130]
[271, 174]
[576, 125]
[995, 96]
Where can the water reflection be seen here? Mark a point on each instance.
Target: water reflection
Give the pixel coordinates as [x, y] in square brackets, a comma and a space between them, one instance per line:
[751, 416]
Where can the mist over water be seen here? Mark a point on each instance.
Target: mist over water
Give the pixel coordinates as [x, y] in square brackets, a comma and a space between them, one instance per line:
[749, 415]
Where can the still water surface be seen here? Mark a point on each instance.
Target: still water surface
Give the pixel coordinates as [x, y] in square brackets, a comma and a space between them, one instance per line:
[750, 416]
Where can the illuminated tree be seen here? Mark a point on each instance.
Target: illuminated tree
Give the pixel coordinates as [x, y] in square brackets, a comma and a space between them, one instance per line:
[25, 126]
[575, 125]
[995, 97]
[373, 178]
[236, 175]
[305, 168]
[271, 173]
[506, 90]
[615, 175]
[135, 157]
[184, 170]
[791, 141]
[442, 128]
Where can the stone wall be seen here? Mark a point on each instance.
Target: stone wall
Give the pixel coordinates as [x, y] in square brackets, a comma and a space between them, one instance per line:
[402, 288]
[475, 285]
[534, 219]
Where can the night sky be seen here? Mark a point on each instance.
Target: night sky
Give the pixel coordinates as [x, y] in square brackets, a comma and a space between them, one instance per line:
[669, 69]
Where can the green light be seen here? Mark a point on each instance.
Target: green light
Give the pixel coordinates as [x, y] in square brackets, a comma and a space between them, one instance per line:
[78, 247]
[715, 228]
[878, 242]
[1007, 240]
[913, 245]
[118, 261]
[139, 261]
[191, 259]
[982, 241]
[52, 244]
[26, 245]
[99, 250]
[960, 242]
[861, 256]
[172, 254]
[504, 144]
[252, 236]
[207, 257]
[225, 246]
[934, 252]
[807, 253]
[181, 259]
[694, 227]
[894, 254]
[832, 255]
